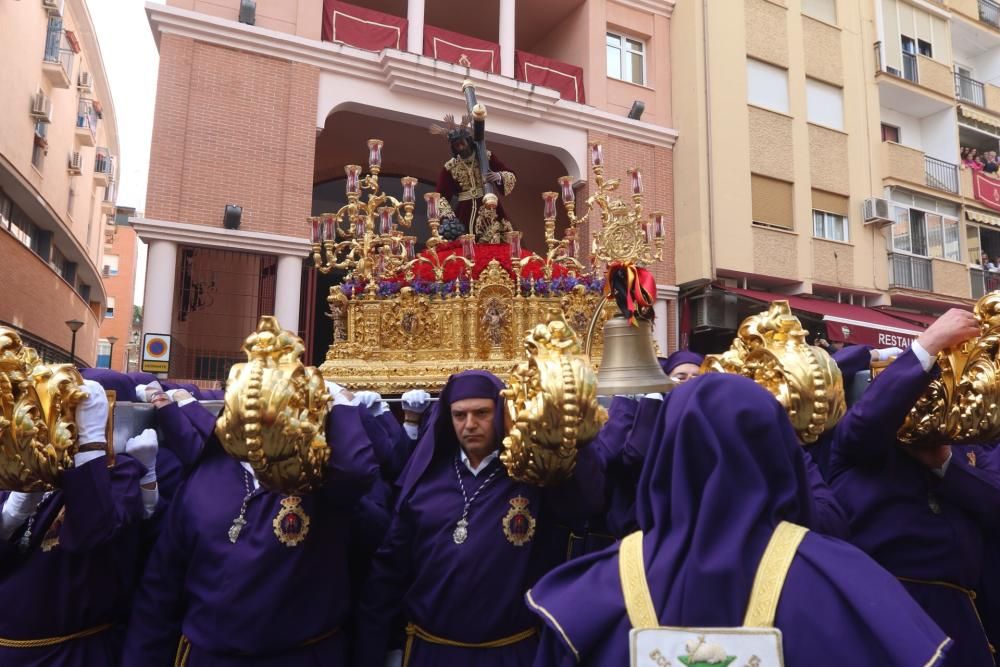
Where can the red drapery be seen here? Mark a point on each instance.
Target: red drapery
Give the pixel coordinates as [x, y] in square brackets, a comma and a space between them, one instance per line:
[565, 78]
[485, 253]
[364, 28]
[986, 190]
[450, 46]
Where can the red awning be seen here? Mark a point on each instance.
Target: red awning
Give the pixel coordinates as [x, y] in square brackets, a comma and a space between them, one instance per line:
[364, 28]
[450, 46]
[846, 323]
[917, 318]
[565, 78]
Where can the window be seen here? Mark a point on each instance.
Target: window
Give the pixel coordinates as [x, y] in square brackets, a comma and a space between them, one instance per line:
[924, 48]
[767, 86]
[890, 133]
[626, 58]
[6, 210]
[53, 39]
[825, 104]
[109, 311]
[111, 265]
[926, 234]
[41, 145]
[71, 199]
[824, 10]
[909, 58]
[830, 220]
[103, 354]
[772, 201]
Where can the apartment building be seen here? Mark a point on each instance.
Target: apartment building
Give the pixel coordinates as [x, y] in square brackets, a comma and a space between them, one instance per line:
[58, 152]
[820, 160]
[118, 341]
[261, 104]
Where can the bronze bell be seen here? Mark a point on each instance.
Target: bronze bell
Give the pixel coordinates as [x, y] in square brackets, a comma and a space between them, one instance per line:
[629, 364]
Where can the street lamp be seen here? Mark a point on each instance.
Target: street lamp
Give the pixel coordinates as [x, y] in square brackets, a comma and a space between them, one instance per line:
[111, 353]
[74, 326]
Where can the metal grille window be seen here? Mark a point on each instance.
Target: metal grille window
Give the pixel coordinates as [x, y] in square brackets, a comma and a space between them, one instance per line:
[626, 58]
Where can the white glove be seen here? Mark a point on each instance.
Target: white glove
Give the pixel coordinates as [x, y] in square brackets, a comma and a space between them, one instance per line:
[416, 400]
[654, 396]
[180, 396]
[143, 449]
[333, 388]
[394, 658]
[144, 392]
[91, 421]
[888, 353]
[373, 401]
[16, 510]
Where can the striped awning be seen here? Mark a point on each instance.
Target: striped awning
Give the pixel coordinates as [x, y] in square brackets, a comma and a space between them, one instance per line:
[981, 216]
[979, 116]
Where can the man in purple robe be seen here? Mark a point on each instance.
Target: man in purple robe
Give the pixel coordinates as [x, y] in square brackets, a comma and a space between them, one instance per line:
[244, 576]
[68, 557]
[682, 365]
[724, 470]
[467, 540]
[922, 513]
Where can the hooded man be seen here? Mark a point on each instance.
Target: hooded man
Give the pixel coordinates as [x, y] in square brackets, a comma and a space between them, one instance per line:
[724, 476]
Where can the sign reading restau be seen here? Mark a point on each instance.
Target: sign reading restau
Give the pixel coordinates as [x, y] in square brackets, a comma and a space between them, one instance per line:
[155, 353]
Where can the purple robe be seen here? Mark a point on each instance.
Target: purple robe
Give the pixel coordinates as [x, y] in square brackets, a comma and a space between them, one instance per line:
[470, 592]
[78, 574]
[913, 523]
[724, 467]
[259, 601]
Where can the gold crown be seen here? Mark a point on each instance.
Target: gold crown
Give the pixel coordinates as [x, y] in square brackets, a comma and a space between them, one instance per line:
[961, 406]
[770, 349]
[275, 412]
[551, 407]
[38, 433]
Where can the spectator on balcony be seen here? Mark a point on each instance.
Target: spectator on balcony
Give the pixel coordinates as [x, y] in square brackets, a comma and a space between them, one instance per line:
[992, 164]
[971, 159]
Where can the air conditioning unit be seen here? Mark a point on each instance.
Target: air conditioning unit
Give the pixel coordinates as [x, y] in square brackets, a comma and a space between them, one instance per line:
[85, 82]
[41, 107]
[714, 311]
[75, 162]
[877, 211]
[54, 7]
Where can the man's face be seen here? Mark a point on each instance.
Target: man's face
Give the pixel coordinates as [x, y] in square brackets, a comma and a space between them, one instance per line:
[684, 372]
[473, 422]
[462, 147]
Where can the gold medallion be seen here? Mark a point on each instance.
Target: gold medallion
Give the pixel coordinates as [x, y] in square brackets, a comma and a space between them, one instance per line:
[971, 458]
[292, 523]
[519, 525]
[51, 539]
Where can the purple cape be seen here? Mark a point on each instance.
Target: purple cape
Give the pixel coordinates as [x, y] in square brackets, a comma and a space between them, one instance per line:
[680, 357]
[724, 468]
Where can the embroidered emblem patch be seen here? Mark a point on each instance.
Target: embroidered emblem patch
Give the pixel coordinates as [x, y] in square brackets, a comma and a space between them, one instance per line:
[292, 523]
[971, 458]
[518, 524]
[51, 539]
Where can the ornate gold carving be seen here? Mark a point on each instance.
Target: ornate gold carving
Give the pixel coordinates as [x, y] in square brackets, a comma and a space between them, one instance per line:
[275, 412]
[963, 404]
[771, 350]
[38, 433]
[551, 407]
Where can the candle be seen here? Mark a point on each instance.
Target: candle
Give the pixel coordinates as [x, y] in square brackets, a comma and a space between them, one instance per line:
[658, 221]
[647, 231]
[572, 245]
[468, 246]
[409, 246]
[432, 205]
[514, 241]
[636, 177]
[596, 155]
[549, 198]
[409, 188]
[374, 152]
[566, 188]
[353, 172]
[329, 229]
[385, 220]
[359, 227]
[314, 230]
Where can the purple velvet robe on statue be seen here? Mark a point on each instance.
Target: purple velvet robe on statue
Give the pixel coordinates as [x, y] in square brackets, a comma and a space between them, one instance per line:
[470, 592]
[256, 602]
[86, 580]
[724, 467]
[914, 523]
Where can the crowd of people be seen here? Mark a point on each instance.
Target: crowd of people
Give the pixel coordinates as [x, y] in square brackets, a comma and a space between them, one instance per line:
[986, 162]
[696, 509]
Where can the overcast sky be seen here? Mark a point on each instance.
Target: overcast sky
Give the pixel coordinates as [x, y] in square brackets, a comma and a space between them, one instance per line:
[131, 61]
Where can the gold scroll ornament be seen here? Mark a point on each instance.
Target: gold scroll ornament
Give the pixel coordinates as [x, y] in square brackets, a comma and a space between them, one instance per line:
[770, 349]
[38, 432]
[275, 412]
[551, 407]
[961, 405]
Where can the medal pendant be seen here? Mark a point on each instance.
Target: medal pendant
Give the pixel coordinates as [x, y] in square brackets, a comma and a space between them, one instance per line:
[236, 529]
[461, 532]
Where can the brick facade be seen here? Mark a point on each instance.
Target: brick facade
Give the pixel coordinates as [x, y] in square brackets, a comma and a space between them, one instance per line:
[121, 288]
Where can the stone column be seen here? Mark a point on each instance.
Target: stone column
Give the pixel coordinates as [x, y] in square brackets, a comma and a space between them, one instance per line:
[158, 302]
[415, 26]
[287, 291]
[507, 38]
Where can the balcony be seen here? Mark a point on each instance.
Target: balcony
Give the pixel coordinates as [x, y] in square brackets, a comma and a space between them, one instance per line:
[911, 272]
[86, 123]
[110, 193]
[103, 166]
[57, 66]
[969, 90]
[989, 12]
[941, 175]
[983, 282]
[906, 85]
[909, 165]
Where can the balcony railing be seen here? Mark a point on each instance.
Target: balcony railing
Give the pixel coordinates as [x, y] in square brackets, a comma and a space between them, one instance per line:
[983, 282]
[989, 12]
[941, 175]
[103, 164]
[86, 117]
[969, 90]
[910, 272]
